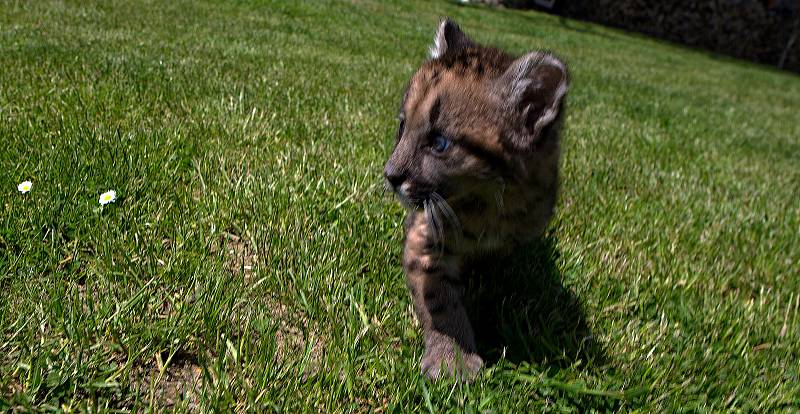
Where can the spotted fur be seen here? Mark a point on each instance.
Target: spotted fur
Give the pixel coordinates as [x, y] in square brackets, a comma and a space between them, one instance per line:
[491, 189]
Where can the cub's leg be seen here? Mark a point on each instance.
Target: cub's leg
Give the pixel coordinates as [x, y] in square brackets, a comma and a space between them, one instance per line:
[433, 280]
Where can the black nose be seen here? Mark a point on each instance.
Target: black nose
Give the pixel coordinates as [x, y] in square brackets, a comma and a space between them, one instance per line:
[394, 175]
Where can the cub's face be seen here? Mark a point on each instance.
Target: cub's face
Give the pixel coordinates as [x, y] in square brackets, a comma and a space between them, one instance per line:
[447, 141]
[468, 115]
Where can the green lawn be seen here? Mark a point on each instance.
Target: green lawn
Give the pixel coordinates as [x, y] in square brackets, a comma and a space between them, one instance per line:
[251, 259]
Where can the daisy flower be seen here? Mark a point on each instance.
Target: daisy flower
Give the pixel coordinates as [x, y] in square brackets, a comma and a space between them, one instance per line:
[108, 197]
[24, 187]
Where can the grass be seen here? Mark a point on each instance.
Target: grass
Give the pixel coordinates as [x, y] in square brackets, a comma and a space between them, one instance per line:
[251, 262]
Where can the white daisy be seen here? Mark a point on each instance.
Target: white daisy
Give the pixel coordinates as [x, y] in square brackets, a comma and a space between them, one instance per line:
[108, 197]
[24, 186]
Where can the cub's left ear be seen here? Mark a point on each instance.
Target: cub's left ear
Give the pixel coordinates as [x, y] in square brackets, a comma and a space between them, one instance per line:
[535, 84]
[448, 39]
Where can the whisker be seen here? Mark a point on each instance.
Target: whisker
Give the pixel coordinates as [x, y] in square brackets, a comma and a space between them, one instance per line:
[439, 225]
[431, 217]
[449, 214]
[428, 215]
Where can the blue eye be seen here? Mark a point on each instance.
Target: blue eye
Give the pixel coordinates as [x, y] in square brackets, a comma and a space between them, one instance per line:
[440, 143]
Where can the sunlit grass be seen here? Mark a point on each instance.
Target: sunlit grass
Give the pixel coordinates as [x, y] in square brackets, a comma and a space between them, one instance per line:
[250, 260]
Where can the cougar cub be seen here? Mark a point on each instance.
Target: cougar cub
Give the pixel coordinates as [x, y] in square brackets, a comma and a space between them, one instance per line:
[476, 166]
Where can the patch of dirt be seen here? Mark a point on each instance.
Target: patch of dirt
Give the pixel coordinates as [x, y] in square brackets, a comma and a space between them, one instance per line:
[239, 254]
[240, 259]
[181, 381]
[289, 338]
[12, 388]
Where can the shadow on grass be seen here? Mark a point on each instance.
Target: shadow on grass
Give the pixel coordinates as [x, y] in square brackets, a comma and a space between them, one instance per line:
[519, 306]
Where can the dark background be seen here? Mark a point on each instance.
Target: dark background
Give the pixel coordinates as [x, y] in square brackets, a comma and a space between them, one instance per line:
[762, 31]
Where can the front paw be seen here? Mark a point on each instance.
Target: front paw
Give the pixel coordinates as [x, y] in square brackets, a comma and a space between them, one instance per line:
[447, 359]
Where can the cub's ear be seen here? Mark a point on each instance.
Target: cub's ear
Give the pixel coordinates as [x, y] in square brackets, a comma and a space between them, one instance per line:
[448, 38]
[534, 86]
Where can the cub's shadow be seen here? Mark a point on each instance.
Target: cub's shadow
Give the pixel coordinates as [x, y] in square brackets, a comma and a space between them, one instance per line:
[519, 307]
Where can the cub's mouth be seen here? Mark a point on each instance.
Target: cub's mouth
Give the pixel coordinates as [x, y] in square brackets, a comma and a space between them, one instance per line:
[414, 197]
[410, 199]
[404, 195]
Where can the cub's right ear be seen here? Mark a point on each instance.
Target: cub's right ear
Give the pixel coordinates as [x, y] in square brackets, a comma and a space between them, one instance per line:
[448, 38]
[534, 86]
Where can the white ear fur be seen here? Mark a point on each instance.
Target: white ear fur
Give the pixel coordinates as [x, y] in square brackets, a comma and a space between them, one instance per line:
[448, 37]
[542, 76]
[439, 45]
